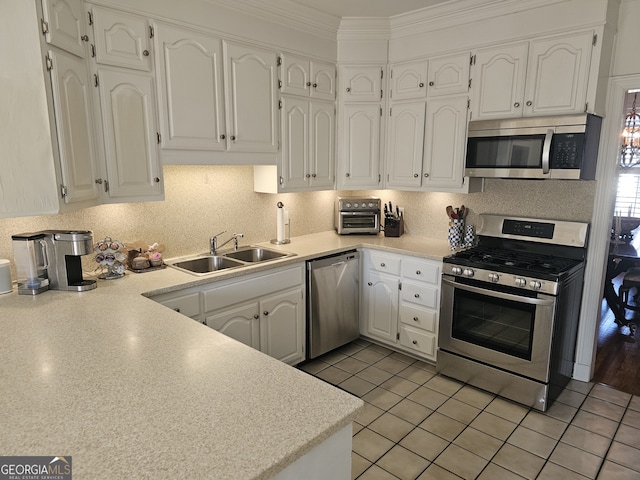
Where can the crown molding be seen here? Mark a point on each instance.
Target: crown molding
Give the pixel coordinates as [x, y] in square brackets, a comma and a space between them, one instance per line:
[288, 14]
[364, 28]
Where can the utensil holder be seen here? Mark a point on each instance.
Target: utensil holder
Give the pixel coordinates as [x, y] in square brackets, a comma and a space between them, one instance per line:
[393, 227]
[469, 236]
[456, 227]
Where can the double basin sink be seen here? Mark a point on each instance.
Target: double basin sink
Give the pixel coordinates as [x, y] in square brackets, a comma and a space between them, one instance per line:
[243, 256]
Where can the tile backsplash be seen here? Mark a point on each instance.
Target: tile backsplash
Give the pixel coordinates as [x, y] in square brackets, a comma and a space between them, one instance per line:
[201, 201]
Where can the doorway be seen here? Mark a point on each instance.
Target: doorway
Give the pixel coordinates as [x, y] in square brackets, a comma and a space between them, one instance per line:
[618, 346]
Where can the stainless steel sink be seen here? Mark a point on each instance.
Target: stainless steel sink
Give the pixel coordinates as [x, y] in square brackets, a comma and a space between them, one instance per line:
[204, 264]
[253, 254]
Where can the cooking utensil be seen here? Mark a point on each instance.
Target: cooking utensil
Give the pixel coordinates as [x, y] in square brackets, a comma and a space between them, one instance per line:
[449, 211]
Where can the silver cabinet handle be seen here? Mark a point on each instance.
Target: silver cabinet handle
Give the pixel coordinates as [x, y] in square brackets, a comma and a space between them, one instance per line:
[177, 309]
[421, 84]
[529, 103]
[265, 313]
[426, 175]
[415, 175]
[370, 284]
[415, 342]
[418, 272]
[223, 136]
[383, 264]
[256, 316]
[415, 319]
[145, 53]
[417, 295]
[517, 104]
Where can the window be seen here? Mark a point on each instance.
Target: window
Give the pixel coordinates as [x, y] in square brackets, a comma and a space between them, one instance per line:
[628, 195]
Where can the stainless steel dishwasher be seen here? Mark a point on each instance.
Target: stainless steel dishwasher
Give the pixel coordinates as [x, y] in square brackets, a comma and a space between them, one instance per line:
[333, 286]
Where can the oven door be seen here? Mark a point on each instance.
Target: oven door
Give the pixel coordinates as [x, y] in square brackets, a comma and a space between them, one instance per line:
[358, 222]
[497, 326]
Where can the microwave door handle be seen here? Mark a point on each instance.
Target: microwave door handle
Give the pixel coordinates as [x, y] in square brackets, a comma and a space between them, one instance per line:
[546, 151]
[505, 296]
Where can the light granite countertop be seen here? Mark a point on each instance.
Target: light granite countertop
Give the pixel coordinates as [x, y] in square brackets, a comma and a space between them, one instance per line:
[132, 389]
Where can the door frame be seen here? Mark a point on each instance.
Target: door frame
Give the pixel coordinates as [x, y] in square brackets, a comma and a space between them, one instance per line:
[597, 251]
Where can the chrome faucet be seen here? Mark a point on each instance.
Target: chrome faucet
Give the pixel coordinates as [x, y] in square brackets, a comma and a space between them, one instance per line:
[213, 241]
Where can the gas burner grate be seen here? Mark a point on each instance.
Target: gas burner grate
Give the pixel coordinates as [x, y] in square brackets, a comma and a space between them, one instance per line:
[527, 261]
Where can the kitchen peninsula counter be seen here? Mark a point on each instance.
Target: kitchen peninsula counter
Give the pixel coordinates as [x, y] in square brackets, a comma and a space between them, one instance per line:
[130, 388]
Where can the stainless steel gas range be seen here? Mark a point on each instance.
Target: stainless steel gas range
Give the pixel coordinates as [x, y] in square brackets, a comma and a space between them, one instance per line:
[510, 308]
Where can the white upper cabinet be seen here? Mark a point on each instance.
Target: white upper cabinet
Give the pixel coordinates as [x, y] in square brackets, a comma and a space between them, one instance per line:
[448, 75]
[547, 76]
[190, 89]
[405, 144]
[408, 80]
[361, 83]
[251, 86]
[308, 78]
[445, 143]
[127, 102]
[121, 40]
[63, 25]
[497, 85]
[557, 74]
[74, 127]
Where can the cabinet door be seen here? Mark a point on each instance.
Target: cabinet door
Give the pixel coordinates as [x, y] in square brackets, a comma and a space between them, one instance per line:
[295, 148]
[282, 326]
[63, 25]
[191, 97]
[323, 81]
[380, 294]
[497, 85]
[74, 127]
[322, 131]
[359, 162]
[448, 75]
[127, 102]
[445, 142]
[362, 83]
[242, 323]
[408, 80]
[251, 92]
[122, 40]
[557, 75]
[295, 76]
[406, 142]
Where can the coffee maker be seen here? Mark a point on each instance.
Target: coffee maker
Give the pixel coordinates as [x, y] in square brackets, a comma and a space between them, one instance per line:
[64, 249]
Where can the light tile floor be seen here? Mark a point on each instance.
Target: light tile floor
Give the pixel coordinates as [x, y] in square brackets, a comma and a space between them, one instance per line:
[420, 425]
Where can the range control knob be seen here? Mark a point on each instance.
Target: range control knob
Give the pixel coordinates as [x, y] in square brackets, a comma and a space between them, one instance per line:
[468, 272]
[535, 285]
[494, 277]
[347, 205]
[520, 282]
[370, 205]
[456, 270]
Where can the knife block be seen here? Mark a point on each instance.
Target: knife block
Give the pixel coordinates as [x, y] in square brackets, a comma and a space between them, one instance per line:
[393, 227]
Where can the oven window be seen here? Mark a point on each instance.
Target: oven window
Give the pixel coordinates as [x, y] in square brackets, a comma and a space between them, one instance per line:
[501, 325]
[359, 221]
[523, 151]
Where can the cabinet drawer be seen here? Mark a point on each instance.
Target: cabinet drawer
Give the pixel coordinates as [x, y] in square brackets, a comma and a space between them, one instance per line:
[417, 317]
[384, 263]
[422, 271]
[246, 288]
[422, 342]
[188, 305]
[421, 294]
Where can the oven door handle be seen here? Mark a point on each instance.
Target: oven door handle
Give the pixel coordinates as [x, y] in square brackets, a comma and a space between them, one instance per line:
[502, 295]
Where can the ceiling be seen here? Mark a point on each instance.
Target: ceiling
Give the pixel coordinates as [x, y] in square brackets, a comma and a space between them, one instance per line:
[367, 8]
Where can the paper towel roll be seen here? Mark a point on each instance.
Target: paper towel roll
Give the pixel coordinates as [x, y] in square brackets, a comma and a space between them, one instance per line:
[5, 276]
[280, 225]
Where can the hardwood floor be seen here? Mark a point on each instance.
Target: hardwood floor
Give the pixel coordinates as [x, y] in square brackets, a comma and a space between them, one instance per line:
[618, 353]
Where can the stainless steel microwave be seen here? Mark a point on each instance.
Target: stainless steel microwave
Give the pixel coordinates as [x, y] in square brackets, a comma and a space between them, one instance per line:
[562, 147]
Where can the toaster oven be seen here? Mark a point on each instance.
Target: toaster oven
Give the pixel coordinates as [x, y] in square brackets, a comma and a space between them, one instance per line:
[357, 215]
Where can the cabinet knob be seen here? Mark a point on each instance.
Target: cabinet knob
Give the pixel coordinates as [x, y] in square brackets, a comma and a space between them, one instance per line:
[348, 175]
[418, 272]
[415, 342]
[426, 175]
[421, 84]
[99, 181]
[417, 295]
[177, 309]
[415, 175]
[383, 264]
[157, 179]
[223, 136]
[431, 84]
[370, 284]
[415, 319]
[145, 53]
[529, 103]
[348, 89]
[313, 175]
[315, 85]
[232, 137]
[308, 84]
[517, 104]
[308, 175]
[265, 313]
[84, 38]
[256, 316]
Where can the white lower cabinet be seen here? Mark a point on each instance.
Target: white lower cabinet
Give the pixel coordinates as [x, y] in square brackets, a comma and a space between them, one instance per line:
[401, 301]
[241, 323]
[186, 302]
